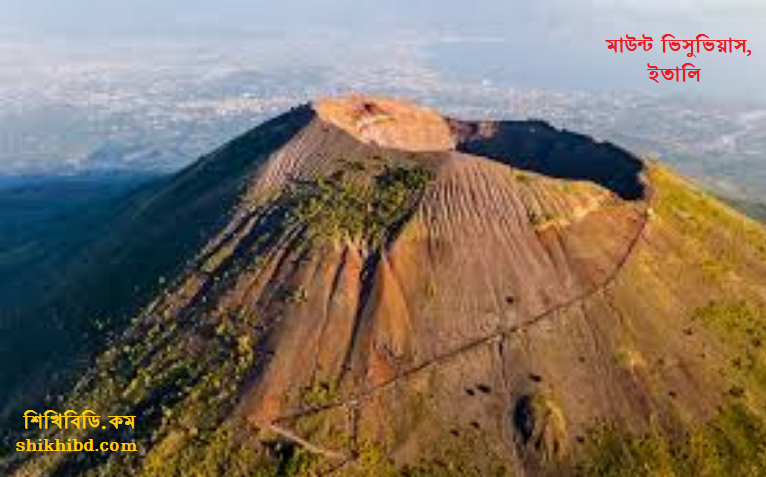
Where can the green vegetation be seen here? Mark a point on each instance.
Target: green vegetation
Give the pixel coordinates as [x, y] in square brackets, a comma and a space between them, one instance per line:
[706, 220]
[538, 218]
[298, 295]
[466, 454]
[734, 319]
[183, 375]
[225, 452]
[720, 244]
[182, 381]
[320, 394]
[742, 327]
[339, 207]
[732, 445]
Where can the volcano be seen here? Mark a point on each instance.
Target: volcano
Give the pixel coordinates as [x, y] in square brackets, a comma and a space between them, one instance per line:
[387, 291]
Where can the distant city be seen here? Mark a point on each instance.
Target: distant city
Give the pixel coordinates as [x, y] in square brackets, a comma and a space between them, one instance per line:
[157, 107]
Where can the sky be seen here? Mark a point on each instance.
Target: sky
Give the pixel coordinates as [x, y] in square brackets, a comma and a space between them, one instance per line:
[106, 65]
[553, 43]
[495, 16]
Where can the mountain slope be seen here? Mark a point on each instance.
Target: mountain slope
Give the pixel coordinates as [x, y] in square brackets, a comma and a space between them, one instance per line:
[755, 210]
[398, 293]
[137, 245]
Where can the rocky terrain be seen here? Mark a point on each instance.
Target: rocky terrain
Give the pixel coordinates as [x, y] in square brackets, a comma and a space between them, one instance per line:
[374, 289]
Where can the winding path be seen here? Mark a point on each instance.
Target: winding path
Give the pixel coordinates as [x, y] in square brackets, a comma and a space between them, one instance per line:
[499, 335]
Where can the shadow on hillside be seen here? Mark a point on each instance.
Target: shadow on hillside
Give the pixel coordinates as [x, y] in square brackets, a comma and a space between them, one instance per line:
[137, 249]
[536, 146]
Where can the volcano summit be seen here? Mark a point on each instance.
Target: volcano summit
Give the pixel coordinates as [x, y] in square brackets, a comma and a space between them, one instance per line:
[392, 292]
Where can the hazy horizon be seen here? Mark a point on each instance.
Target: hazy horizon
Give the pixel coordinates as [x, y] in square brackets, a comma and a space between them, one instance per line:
[152, 85]
[565, 39]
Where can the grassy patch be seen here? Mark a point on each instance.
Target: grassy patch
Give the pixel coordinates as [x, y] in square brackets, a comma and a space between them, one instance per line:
[736, 320]
[468, 455]
[703, 218]
[320, 394]
[742, 327]
[181, 381]
[732, 445]
[341, 208]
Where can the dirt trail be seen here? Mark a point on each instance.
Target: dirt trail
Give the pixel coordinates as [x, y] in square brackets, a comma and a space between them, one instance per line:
[312, 448]
[499, 335]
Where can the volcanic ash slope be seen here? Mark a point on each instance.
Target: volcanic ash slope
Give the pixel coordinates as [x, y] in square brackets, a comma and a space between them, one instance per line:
[397, 293]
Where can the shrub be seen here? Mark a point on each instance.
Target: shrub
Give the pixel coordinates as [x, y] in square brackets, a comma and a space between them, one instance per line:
[341, 208]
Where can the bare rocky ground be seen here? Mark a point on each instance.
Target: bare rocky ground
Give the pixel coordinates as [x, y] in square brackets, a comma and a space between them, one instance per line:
[397, 293]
